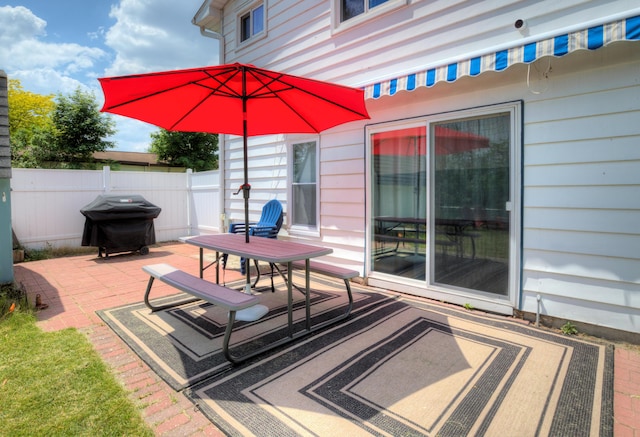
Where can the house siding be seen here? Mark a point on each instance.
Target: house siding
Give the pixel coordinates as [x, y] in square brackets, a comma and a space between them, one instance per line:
[267, 175]
[580, 160]
[581, 222]
[300, 39]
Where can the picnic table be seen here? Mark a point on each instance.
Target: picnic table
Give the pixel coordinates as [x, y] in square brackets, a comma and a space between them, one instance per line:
[278, 252]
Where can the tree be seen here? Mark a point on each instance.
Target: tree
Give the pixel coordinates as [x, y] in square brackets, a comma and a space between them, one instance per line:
[195, 150]
[31, 128]
[81, 128]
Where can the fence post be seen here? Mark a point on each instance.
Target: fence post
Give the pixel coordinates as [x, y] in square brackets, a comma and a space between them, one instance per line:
[106, 179]
[190, 206]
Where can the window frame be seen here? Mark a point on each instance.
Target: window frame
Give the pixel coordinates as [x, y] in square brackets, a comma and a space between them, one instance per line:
[294, 228]
[337, 25]
[248, 12]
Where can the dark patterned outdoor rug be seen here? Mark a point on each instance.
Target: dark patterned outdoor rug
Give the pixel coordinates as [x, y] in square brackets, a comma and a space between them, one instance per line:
[405, 367]
[183, 345]
[397, 366]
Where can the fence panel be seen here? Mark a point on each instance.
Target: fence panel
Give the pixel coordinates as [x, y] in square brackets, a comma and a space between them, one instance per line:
[46, 203]
[204, 202]
[166, 190]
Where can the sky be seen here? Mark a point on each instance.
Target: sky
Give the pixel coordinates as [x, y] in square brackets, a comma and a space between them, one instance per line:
[56, 46]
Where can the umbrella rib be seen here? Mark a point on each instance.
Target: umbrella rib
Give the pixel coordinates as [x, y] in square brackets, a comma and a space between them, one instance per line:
[223, 88]
[230, 92]
[290, 87]
[265, 86]
[212, 91]
[186, 114]
[318, 96]
[276, 94]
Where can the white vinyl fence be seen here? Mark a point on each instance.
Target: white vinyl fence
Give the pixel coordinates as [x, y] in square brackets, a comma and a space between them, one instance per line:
[45, 204]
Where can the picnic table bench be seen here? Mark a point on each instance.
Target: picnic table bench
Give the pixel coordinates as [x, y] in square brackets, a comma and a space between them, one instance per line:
[241, 306]
[329, 270]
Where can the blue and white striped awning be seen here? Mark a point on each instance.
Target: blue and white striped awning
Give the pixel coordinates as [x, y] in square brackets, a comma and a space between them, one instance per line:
[593, 38]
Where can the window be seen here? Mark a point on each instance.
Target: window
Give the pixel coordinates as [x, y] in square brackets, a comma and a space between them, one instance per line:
[251, 22]
[353, 8]
[347, 14]
[304, 186]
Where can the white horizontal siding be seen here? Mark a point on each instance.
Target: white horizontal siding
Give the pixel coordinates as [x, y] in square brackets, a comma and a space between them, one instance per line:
[594, 150]
[585, 102]
[421, 34]
[342, 195]
[589, 174]
[582, 243]
[595, 197]
[581, 219]
[560, 305]
[267, 175]
[606, 221]
[597, 125]
[543, 263]
[556, 287]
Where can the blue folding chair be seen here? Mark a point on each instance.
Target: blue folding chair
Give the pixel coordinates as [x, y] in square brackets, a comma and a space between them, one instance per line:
[268, 226]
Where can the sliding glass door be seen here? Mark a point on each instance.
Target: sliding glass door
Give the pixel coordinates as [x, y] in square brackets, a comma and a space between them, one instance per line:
[440, 203]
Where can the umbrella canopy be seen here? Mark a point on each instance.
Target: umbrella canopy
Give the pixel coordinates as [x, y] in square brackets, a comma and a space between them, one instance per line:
[214, 99]
[233, 99]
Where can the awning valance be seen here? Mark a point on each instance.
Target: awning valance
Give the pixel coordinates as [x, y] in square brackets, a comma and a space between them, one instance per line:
[592, 38]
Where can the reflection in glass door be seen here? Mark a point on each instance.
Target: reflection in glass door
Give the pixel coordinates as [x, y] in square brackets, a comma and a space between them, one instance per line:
[469, 219]
[399, 196]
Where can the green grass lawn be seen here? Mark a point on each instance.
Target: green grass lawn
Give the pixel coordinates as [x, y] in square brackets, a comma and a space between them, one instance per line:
[55, 384]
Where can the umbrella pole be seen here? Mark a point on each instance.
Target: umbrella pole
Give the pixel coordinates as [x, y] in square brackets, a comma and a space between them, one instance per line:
[245, 187]
[245, 192]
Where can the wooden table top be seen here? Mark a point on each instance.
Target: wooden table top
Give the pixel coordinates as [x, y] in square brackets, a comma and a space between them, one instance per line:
[259, 248]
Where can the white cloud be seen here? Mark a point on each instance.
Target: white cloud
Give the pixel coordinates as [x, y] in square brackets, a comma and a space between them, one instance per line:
[48, 81]
[19, 23]
[21, 45]
[98, 34]
[69, 57]
[157, 35]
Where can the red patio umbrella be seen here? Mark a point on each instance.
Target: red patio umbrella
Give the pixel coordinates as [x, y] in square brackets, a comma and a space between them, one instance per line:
[233, 99]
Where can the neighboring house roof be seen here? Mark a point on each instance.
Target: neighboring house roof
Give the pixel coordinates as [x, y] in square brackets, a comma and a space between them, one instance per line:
[500, 58]
[136, 158]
